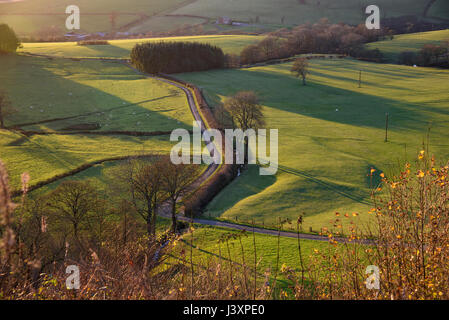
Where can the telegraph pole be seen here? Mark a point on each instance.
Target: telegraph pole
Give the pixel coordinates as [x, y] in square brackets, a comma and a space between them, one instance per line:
[386, 127]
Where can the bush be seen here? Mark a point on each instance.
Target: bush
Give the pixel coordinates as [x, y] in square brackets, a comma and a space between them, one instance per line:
[201, 198]
[8, 39]
[92, 42]
[408, 58]
[176, 57]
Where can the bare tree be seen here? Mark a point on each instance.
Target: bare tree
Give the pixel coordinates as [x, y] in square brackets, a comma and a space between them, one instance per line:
[223, 117]
[269, 46]
[245, 110]
[246, 113]
[5, 108]
[176, 179]
[142, 180]
[301, 69]
[74, 202]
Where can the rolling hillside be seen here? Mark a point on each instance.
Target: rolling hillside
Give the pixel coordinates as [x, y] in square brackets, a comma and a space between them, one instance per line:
[331, 133]
[141, 16]
[62, 93]
[408, 42]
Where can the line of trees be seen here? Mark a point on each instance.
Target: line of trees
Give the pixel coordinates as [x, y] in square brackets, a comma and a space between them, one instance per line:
[429, 55]
[176, 57]
[322, 37]
[77, 216]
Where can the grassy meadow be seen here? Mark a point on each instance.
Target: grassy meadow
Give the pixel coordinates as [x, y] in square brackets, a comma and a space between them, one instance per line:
[52, 13]
[109, 94]
[121, 49]
[82, 92]
[261, 12]
[331, 133]
[208, 244]
[293, 12]
[408, 42]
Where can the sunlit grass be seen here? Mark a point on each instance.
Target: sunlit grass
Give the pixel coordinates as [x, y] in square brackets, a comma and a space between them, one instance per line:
[122, 48]
[408, 42]
[331, 133]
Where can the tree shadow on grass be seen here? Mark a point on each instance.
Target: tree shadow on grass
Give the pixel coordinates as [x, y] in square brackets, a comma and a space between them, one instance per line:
[248, 184]
[52, 96]
[284, 92]
[29, 82]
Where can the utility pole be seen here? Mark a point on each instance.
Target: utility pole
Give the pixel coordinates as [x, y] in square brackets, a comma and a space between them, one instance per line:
[386, 127]
[360, 79]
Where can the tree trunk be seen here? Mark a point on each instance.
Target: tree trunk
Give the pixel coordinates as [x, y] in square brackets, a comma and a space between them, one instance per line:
[303, 81]
[149, 225]
[153, 219]
[173, 216]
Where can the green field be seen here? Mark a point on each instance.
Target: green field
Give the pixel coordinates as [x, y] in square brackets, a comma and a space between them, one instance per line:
[325, 154]
[206, 246]
[122, 48]
[52, 13]
[105, 93]
[408, 42]
[263, 13]
[271, 12]
[439, 10]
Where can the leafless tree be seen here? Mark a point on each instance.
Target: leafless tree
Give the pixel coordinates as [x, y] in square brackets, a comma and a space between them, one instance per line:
[142, 181]
[176, 179]
[74, 202]
[245, 110]
[246, 113]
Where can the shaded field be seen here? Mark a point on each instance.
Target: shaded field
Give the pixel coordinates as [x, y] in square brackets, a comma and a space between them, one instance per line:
[408, 42]
[331, 133]
[83, 92]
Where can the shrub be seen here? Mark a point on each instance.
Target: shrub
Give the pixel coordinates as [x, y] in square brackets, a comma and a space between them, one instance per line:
[8, 39]
[92, 42]
[408, 58]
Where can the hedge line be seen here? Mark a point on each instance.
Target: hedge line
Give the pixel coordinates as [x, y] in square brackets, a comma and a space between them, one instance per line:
[196, 202]
[104, 133]
[72, 172]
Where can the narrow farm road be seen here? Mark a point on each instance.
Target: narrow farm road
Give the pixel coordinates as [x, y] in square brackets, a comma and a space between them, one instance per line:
[165, 209]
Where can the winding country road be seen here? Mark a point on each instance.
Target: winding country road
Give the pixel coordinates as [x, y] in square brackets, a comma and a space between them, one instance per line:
[165, 209]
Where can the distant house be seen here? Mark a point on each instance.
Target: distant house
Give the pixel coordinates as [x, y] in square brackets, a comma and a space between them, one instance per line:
[76, 36]
[224, 20]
